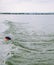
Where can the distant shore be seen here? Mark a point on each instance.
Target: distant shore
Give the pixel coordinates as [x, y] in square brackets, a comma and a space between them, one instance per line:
[29, 13]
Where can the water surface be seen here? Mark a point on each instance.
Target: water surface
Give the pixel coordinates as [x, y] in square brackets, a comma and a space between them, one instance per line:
[33, 39]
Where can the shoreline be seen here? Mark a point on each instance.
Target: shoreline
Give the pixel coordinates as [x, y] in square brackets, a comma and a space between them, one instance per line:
[28, 13]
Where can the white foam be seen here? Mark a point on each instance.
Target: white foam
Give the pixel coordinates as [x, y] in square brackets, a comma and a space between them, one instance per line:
[5, 52]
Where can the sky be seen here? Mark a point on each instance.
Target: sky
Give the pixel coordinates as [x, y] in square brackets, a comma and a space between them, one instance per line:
[26, 5]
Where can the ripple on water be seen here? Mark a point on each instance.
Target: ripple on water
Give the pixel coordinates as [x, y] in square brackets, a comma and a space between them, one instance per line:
[34, 48]
[31, 47]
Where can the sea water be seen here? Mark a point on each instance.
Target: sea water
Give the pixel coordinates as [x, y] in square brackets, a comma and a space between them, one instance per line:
[32, 40]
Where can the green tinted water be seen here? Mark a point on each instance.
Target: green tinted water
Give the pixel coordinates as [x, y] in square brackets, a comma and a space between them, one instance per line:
[33, 48]
[34, 42]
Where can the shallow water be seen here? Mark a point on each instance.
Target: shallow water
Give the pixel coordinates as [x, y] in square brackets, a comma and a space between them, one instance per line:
[33, 40]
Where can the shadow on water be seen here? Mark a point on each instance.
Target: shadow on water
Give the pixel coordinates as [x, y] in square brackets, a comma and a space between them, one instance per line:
[31, 49]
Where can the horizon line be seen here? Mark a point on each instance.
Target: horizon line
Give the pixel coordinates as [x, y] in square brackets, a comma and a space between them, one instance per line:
[29, 13]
